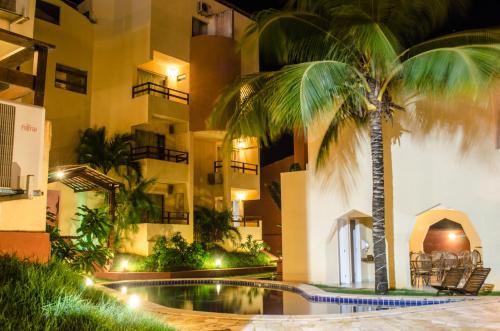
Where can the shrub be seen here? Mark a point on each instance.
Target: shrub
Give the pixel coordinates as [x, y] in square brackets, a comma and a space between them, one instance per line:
[253, 247]
[89, 250]
[52, 297]
[171, 254]
[212, 226]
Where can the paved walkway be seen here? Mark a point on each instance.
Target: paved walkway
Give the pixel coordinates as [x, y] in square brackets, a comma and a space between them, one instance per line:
[481, 314]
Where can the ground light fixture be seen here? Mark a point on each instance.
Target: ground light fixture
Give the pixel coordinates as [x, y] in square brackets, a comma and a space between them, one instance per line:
[124, 265]
[218, 263]
[123, 290]
[89, 282]
[134, 301]
[217, 288]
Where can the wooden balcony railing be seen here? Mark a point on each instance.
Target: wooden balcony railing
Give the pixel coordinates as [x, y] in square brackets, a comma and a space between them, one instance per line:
[158, 153]
[160, 91]
[237, 166]
[248, 221]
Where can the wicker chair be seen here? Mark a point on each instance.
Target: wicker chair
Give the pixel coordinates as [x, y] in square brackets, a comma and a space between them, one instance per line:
[421, 269]
[451, 279]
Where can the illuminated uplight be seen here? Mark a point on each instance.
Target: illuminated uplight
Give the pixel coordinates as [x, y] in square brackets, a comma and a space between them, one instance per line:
[452, 236]
[123, 289]
[134, 301]
[124, 265]
[240, 196]
[218, 263]
[172, 72]
[59, 174]
[89, 282]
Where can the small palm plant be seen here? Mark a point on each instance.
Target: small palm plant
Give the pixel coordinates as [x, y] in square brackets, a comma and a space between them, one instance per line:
[348, 62]
[106, 154]
[212, 226]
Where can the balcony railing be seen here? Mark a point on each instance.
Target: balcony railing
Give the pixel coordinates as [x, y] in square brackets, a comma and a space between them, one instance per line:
[160, 91]
[248, 221]
[175, 217]
[237, 166]
[158, 153]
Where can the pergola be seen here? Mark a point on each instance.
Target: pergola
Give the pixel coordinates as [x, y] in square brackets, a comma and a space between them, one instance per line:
[82, 178]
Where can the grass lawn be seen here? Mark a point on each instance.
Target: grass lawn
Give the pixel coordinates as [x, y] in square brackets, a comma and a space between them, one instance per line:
[52, 297]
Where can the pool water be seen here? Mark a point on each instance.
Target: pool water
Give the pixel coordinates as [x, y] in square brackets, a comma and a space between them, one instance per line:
[234, 299]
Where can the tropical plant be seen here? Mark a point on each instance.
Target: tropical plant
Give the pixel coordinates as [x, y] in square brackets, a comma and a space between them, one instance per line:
[355, 63]
[88, 249]
[175, 253]
[253, 247]
[106, 154]
[212, 226]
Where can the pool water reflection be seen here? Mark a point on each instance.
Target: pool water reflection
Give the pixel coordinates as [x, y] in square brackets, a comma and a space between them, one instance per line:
[241, 300]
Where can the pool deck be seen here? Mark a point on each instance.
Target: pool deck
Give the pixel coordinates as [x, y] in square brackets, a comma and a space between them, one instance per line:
[481, 313]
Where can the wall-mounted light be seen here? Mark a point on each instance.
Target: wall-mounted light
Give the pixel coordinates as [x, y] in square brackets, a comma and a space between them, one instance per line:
[240, 144]
[181, 77]
[240, 196]
[452, 236]
[172, 72]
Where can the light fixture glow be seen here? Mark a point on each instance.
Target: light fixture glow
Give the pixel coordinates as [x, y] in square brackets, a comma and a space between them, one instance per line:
[124, 265]
[240, 196]
[134, 301]
[452, 236]
[217, 288]
[123, 289]
[241, 144]
[172, 72]
[59, 174]
[89, 282]
[218, 263]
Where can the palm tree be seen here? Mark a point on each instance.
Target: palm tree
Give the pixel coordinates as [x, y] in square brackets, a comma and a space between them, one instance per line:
[212, 226]
[351, 60]
[106, 154]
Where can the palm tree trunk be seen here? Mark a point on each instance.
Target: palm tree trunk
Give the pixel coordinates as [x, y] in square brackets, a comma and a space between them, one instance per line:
[378, 201]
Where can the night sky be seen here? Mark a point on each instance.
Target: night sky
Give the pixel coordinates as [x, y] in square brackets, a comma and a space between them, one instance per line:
[481, 14]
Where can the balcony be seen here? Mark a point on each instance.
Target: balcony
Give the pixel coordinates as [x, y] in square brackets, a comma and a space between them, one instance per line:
[248, 221]
[158, 153]
[175, 217]
[238, 167]
[160, 91]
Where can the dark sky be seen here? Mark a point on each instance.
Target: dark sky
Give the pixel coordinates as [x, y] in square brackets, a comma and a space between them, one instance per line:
[481, 14]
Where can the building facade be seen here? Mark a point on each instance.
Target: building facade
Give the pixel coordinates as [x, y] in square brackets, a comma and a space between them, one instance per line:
[152, 69]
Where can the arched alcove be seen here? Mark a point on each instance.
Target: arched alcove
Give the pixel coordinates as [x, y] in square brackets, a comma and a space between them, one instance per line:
[446, 235]
[425, 220]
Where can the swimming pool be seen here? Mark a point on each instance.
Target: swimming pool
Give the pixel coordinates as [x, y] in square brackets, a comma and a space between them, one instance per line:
[259, 298]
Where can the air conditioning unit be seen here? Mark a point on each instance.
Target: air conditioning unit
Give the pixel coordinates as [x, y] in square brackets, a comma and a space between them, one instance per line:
[204, 9]
[21, 145]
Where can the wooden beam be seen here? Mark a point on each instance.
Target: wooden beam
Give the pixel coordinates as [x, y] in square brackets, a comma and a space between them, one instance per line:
[19, 39]
[17, 77]
[17, 58]
[41, 70]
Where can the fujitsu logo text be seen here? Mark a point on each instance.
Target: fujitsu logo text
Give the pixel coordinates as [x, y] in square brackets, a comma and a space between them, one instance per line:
[28, 127]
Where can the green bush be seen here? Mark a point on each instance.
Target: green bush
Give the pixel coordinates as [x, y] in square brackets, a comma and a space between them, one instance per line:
[173, 254]
[52, 297]
[89, 249]
[253, 247]
[235, 259]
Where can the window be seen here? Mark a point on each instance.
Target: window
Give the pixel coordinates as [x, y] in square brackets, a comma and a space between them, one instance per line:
[71, 79]
[199, 27]
[47, 12]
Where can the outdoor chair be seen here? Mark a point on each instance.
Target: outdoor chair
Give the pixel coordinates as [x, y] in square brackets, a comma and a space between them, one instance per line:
[421, 268]
[473, 283]
[477, 260]
[451, 279]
